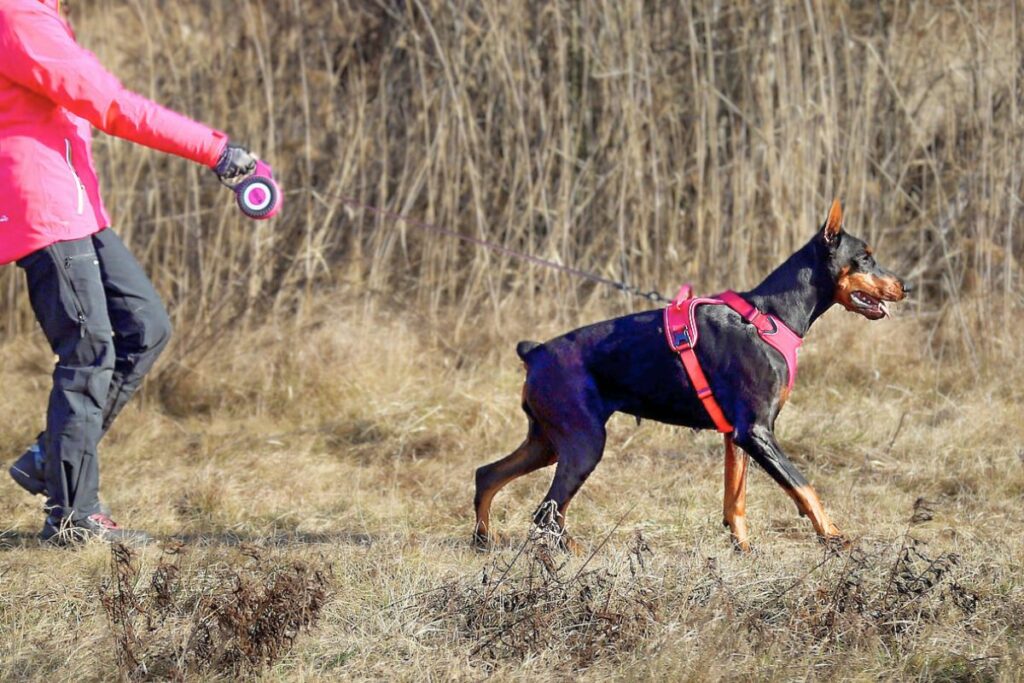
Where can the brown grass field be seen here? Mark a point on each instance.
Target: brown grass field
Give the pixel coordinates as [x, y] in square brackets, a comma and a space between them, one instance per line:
[305, 449]
[335, 454]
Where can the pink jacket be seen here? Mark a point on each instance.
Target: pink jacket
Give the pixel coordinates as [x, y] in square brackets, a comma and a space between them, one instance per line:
[51, 93]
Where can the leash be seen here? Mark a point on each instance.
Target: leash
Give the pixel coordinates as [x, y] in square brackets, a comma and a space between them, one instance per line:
[259, 197]
[624, 287]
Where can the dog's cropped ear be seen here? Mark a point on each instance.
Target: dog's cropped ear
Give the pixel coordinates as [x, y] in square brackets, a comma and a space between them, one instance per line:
[833, 223]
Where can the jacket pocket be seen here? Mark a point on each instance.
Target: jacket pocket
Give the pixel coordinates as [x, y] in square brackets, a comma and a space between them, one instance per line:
[78, 273]
[79, 187]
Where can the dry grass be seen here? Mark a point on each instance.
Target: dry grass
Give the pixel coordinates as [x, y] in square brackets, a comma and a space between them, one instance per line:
[312, 444]
[336, 378]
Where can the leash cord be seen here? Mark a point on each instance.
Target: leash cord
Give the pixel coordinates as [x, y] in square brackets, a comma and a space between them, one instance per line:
[632, 290]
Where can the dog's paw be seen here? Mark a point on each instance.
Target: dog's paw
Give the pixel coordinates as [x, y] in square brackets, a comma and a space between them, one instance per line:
[837, 543]
[737, 527]
[742, 547]
[569, 545]
[486, 542]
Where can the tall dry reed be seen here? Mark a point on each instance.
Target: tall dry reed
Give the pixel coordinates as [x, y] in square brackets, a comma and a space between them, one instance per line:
[656, 142]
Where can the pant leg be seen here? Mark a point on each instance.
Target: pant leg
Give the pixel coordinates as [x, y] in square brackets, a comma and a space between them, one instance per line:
[67, 296]
[141, 325]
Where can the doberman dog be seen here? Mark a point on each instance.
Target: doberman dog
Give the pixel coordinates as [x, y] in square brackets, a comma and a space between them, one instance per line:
[575, 382]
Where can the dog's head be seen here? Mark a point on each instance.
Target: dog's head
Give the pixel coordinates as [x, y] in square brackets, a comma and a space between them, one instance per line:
[861, 285]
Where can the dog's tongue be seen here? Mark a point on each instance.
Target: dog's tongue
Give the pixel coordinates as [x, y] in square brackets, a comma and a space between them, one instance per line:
[884, 306]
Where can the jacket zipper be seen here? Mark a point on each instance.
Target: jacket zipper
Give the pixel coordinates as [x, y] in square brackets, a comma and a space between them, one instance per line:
[74, 174]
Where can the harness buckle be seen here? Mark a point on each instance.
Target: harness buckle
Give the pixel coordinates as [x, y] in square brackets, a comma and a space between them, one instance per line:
[681, 340]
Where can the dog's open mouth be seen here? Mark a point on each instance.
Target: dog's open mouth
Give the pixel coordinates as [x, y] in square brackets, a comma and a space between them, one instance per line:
[869, 306]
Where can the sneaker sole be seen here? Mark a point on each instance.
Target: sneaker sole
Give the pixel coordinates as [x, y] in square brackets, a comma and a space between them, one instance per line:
[74, 537]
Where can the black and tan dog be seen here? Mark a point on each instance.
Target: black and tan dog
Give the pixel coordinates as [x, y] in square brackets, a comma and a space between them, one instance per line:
[575, 382]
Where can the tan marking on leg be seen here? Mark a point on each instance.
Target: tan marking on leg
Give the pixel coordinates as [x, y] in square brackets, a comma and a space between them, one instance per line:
[483, 515]
[734, 503]
[568, 541]
[482, 535]
[809, 505]
[783, 396]
[521, 461]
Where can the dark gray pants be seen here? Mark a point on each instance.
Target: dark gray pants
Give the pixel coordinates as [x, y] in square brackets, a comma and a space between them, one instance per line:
[107, 326]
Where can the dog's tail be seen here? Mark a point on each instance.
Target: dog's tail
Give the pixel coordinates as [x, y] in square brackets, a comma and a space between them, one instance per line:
[524, 348]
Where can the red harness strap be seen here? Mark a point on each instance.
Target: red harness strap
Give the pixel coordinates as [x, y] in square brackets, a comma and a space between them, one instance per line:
[681, 332]
[772, 331]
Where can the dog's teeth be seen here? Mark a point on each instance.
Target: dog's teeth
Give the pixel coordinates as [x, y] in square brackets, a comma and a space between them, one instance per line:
[885, 308]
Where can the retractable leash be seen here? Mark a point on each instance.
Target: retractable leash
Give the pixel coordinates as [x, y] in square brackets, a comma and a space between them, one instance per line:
[651, 295]
[259, 197]
[258, 194]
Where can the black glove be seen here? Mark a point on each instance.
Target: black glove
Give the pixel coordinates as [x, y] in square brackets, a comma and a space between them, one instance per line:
[235, 163]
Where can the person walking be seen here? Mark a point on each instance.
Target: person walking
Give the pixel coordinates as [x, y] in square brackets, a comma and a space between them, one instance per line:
[99, 312]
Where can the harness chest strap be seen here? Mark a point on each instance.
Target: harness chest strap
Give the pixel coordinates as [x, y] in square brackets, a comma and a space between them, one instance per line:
[772, 331]
[681, 332]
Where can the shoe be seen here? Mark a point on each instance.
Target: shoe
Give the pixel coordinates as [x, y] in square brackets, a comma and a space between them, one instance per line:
[97, 526]
[28, 471]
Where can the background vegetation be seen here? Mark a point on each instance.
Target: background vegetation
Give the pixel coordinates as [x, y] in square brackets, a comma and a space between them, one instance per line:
[653, 142]
[337, 375]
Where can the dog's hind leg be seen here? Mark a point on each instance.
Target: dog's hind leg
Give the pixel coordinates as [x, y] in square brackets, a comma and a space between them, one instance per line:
[734, 505]
[579, 451]
[534, 453]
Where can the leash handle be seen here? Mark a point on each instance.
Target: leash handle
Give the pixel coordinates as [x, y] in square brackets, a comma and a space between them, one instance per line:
[259, 196]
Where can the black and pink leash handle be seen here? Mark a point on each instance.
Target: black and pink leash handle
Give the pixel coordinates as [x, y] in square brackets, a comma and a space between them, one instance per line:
[259, 196]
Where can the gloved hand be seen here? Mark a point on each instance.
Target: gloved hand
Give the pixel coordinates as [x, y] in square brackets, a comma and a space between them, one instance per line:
[235, 163]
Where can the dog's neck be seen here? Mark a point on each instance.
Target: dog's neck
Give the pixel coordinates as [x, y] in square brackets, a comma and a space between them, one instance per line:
[798, 291]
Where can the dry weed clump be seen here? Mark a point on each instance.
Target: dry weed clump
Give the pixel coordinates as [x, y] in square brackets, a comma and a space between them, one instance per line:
[236, 617]
[869, 593]
[538, 601]
[613, 607]
[878, 598]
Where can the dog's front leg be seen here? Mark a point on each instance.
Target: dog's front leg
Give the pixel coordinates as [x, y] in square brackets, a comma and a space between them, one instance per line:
[760, 443]
[734, 503]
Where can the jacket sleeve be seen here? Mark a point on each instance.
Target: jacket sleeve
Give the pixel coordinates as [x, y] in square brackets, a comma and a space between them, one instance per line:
[38, 53]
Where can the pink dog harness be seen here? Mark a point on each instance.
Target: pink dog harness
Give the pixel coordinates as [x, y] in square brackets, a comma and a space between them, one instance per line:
[681, 332]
